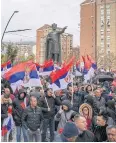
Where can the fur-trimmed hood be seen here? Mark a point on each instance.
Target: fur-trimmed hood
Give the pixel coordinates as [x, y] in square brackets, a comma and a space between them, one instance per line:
[2, 102]
[89, 108]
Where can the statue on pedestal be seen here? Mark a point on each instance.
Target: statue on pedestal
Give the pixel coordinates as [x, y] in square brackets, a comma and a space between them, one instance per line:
[53, 44]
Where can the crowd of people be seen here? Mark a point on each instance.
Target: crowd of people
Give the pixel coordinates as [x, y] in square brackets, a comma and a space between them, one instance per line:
[80, 113]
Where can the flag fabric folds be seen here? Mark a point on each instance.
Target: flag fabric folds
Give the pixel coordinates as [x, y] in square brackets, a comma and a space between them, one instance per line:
[8, 125]
[5, 67]
[61, 74]
[24, 74]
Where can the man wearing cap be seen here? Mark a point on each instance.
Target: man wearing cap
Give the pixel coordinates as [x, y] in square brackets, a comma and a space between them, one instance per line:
[69, 134]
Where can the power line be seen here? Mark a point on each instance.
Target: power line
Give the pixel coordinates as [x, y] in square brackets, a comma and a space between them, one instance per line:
[22, 35]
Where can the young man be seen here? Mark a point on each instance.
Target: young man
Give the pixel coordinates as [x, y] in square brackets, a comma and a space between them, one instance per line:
[32, 119]
[19, 105]
[47, 104]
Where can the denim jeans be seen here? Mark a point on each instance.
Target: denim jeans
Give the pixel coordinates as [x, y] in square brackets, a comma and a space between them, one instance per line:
[34, 136]
[18, 134]
[48, 123]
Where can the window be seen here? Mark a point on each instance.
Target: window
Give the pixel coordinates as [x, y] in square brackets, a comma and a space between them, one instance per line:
[102, 11]
[108, 12]
[108, 6]
[102, 18]
[102, 6]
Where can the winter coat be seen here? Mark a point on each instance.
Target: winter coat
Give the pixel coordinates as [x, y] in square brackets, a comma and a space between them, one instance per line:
[65, 115]
[90, 100]
[32, 118]
[100, 101]
[86, 136]
[18, 108]
[78, 99]
[51, 103]
[111, 110]
[4, 109]
[100, 133]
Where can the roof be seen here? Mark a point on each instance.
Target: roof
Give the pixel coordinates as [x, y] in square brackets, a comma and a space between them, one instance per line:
[87, 1]
[45, 26]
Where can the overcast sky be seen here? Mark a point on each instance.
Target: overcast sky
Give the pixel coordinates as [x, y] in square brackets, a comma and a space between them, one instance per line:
[35, 13]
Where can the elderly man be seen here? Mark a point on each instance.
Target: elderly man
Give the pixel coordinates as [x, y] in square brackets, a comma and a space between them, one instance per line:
[111, 133]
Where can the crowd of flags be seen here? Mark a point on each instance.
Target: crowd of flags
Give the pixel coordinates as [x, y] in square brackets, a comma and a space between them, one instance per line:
[28, 73]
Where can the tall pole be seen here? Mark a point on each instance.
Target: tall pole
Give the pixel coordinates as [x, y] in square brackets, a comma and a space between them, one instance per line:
[8, 24]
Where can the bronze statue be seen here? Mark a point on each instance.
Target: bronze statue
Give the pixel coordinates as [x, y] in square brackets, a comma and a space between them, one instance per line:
[53, 44]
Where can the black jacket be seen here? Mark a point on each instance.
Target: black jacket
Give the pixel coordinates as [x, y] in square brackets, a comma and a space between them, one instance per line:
[90, 100]
[18, 109]
[31, 118]
[78, 99]
[86, 136]
[100, 133]
[51, 102]
[4, 112]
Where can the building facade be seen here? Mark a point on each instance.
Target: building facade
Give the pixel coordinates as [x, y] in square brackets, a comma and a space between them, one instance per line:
[66, 43]
[88, 28]
[98, 29]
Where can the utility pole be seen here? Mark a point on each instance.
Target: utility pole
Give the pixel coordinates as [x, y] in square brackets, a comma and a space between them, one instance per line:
[8, 24]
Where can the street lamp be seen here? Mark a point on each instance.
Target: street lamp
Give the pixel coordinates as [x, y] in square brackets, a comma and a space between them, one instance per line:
[8, 24]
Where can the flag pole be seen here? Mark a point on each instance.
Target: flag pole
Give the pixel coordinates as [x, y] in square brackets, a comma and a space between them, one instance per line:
[45, 97]
[72, 85]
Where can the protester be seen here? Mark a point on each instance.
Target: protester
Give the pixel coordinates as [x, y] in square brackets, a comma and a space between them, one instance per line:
[74, 97]
[19, 104]
[99, 129]
[86, 111]
[99, 99]
[8, 92]
[6, 111]
[90, 100]
[111, 133]
[47, 104]
[69, 134]
[64, 114]
[84, 134]
[32, 120]
[111, 109]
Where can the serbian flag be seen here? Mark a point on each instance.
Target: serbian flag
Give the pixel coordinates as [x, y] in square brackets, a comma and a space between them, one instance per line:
[87, 66]
[46, 68]
[93, 64]
[8, 125]
[57, 77]
[24, 74]
[78, 66]
[5, 67]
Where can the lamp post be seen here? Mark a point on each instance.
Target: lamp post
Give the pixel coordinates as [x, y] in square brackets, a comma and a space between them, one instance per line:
[8, 24]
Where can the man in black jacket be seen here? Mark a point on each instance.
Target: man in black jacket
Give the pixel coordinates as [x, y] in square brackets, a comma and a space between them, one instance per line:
[31, 120]
[84, 134]
[47, 104]
[74, 96]
[99, 129]
[19, 105]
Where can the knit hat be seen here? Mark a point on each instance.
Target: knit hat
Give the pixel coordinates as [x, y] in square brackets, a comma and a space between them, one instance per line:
[70, 130]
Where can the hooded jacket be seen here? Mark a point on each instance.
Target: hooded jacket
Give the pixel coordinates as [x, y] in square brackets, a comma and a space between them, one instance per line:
[65, 115]
[18, 107]
[111, 110]
[89, 100]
